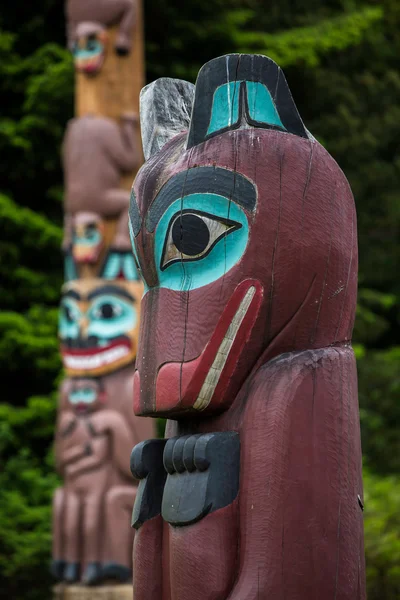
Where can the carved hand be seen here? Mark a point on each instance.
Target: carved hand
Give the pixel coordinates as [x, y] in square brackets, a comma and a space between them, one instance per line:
[106, 421]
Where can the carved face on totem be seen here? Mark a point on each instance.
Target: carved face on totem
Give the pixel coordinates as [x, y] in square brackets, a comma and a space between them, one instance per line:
[98, 325]
[88, 238]
[89, 47]
[237, 227]
[85, 395]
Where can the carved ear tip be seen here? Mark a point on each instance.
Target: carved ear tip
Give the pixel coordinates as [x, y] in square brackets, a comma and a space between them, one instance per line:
[165, 109]
[166, 83]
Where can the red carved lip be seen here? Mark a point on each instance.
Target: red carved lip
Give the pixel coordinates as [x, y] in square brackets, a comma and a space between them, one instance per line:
[87, 359]
[81, 408]
[199, 385]
[90, 66]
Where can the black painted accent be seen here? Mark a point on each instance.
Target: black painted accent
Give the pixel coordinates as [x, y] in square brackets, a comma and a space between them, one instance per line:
[190, 234]
[232, 226]
[69, 429]
[92, 574]
[241, 67]
[116, 572]
[360, 502]
[88, 450]
[114, 290]
[57, 569]
[203, 475]
[134, 215]
[71, 294]
[202, 180]
[147, 466]
[71, 572]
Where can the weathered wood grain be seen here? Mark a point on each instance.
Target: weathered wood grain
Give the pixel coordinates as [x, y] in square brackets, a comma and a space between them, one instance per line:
[250, 337]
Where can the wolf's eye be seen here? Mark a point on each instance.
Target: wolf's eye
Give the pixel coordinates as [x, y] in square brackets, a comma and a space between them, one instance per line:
[191, 235]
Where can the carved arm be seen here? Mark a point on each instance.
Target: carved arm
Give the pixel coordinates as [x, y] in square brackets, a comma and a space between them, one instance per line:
[112, 423]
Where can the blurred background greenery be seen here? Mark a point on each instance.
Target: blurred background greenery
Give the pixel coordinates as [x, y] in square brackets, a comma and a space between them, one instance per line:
[341, 58]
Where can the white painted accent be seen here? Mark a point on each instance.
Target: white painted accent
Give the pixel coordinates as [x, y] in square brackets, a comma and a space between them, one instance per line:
[213, 375]
[95, 361]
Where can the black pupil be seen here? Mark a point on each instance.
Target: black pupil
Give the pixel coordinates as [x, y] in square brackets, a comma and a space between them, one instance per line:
[90, 232]
[190, 234]
[107, 311]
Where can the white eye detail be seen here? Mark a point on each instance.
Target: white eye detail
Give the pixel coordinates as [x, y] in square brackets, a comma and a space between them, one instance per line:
[192, 235]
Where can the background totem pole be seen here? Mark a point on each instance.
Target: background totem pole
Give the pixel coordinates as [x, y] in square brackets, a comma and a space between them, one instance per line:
[99, 314]
[244, 228]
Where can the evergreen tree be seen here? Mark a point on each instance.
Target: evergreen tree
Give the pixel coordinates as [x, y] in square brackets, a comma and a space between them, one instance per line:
[341, 60]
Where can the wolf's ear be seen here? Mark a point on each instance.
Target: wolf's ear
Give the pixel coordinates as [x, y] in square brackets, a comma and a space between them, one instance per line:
[165, 109]
[242, 90]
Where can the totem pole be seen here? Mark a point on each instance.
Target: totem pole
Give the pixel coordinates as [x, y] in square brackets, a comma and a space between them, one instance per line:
[244, 229]
[100, 308]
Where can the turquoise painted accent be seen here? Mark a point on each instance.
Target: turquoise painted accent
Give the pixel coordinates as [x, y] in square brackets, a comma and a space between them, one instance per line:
[69, 268]
[225, 107]
[129, 269]
[261, 105]
[117, 262]
[68, 319]
[92, 238]
[228, 250]
[96, 48]
[124, 318]
[85, 396]
[111, 269]
[140, 273]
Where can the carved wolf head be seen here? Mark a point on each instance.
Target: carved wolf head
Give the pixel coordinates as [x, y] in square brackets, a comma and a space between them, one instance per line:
[244, 230]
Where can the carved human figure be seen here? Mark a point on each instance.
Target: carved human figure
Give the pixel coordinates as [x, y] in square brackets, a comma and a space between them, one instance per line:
[87, 23]
[92, 541]
[96, 154]
[244, 229]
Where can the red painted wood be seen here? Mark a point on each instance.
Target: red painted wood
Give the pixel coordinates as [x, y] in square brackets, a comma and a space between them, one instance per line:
[289, 389]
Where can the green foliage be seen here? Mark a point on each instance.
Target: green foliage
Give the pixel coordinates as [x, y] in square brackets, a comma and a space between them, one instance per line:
[308, 45]
[382, 536]
[341, 60]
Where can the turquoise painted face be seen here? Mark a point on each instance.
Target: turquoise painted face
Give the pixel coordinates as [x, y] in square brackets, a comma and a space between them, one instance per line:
[198, 239]
[107, 317]
[260, 107]
[89, 53]
[98, 326]
[83, 396]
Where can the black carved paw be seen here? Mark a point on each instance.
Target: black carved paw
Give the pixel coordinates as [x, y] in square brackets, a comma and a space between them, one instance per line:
[71, 572]
[57, 569]
[116, 572]
[203, 475]
[92, 574]
[147, 466]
